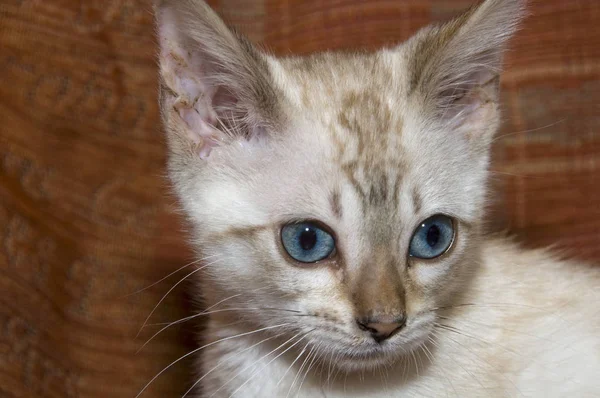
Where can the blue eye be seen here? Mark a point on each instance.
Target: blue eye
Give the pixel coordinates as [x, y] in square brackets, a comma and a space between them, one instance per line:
[307, 242]
[432, 237]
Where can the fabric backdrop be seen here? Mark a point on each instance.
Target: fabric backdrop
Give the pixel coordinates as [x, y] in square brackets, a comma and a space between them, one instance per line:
[86, 217]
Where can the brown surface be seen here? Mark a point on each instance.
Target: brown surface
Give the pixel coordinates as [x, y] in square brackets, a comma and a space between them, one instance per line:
[85, 216]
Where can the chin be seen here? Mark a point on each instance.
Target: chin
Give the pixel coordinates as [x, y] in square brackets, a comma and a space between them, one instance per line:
[350, 361]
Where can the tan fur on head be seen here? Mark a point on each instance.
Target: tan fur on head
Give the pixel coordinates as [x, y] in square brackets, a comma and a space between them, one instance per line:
[368, 145]
[395, 136]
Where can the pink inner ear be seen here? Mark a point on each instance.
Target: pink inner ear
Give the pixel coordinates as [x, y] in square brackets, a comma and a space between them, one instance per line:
[480, 90]
[192, 101]
[475, 112]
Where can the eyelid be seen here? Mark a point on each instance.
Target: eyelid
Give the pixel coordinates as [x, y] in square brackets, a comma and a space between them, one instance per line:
[422, 220]
[313, 221]
[456, 218]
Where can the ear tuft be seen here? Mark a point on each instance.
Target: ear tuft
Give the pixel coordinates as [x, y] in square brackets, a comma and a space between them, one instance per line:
[455, 67]
[215, 86]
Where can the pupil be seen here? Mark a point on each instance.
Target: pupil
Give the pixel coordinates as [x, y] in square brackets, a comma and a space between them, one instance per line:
[308, 238]
[433, 235]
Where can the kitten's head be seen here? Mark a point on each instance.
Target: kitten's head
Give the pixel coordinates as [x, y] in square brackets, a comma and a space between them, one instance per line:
[336, 195]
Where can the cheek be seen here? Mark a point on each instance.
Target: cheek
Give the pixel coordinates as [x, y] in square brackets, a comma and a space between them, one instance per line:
[427, 284]
[219, 207]
[241, 260]
[322, 292]
[316, 284]
[252, 263]
[257, 260]
[434, 282]
[430, 276]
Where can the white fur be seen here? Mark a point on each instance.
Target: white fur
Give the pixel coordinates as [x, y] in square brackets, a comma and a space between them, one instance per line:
[370, 146]
[527, 334]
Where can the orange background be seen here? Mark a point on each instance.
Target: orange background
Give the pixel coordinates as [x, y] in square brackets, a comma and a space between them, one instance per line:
[85, 213]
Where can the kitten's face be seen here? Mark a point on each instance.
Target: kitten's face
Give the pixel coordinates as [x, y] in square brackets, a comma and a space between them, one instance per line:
[344, 201]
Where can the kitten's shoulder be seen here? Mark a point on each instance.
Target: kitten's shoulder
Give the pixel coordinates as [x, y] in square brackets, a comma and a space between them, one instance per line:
[538, 315]
[504, 254]
[540, 283]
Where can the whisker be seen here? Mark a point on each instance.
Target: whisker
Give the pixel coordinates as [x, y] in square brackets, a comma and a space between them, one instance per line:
[429, 356]
[268, 363]
[309, 361]
[476, 323]
[383, 378]
[244, 309]
[329, 368]
[435, 343]
[169, 324]
[182, 320]
[405, 366]
[484, 361]
[205, 346]
[322, 364]
[292, 364]
[299, 371]
[490, 305]
[412, 353]
[310, 365]
[337, 372]
[171, 274]
[169, 291]
[460, 332]
[205, 313]
[223, 361]
[345, 380]
[505, 173]
[529, 131]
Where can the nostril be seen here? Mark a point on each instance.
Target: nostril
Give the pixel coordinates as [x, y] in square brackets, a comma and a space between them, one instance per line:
[366, 328]
[382, 328]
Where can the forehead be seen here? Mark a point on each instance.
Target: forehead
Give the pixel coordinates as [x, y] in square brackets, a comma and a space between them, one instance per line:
[357, 101]
[352, 121]
[330, 82]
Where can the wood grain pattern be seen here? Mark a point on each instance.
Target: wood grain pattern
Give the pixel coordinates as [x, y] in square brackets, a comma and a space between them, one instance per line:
[86, 216]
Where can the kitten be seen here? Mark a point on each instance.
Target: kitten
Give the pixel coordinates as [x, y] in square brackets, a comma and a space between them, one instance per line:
[337, 201]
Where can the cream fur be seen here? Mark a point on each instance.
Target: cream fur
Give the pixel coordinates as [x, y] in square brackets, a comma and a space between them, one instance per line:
[527, 334]
[369, 145]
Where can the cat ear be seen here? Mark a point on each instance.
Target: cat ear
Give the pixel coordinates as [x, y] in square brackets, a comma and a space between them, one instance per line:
[456, 66]
[215, 85]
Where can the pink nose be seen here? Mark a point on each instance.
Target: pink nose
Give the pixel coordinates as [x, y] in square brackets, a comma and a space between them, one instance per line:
[383, 327]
